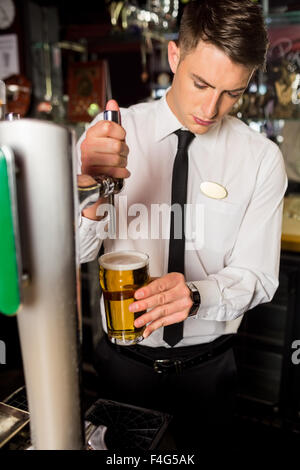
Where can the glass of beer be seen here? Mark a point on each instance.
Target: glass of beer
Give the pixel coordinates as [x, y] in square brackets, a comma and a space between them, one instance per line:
[121, 274]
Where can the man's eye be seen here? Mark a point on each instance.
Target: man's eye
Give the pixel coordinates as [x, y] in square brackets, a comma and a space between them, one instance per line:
[234, 95]
[197, 85]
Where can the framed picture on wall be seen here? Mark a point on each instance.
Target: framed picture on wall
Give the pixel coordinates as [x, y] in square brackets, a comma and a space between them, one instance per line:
[87, 84]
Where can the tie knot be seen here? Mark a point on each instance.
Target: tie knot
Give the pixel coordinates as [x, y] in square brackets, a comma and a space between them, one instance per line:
[184, 138]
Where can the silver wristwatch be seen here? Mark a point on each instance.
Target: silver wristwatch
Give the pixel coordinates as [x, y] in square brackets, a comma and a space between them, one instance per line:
[195, 296]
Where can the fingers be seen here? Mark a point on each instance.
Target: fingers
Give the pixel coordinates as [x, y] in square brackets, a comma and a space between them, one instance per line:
[167, 300]
[164, 321]
[109, 171]
[161, 299]
[104, 150]
[110, 155]
[84, 181]
[107, 146]
[107, 159]
[164, 312]
[160, 285]
[112, 105]
[107, 129]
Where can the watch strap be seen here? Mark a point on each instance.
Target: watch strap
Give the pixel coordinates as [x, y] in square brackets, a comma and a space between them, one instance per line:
[196, 298]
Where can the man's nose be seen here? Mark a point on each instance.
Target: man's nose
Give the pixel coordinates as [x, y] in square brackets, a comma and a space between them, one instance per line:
[210, 106]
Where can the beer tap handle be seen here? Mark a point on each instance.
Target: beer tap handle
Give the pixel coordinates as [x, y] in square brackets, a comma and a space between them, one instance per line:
[115, 117]
[108, 184]
[91, 189]
[117, 183]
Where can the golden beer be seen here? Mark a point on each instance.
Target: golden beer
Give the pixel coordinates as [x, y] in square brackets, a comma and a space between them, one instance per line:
[121, 274]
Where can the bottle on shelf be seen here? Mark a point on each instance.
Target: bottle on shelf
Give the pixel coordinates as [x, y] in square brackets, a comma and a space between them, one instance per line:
[2, 100]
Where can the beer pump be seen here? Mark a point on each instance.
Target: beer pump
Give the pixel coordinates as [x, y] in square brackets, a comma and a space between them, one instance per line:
[39, 273]
[40, 200]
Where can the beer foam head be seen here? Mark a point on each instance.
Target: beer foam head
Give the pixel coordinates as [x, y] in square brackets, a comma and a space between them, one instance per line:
[124, 260]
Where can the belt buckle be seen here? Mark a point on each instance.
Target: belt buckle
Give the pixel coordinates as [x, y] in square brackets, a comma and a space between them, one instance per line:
[161, 366]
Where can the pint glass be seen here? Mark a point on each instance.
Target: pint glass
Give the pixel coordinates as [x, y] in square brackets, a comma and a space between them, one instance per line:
[121, 274]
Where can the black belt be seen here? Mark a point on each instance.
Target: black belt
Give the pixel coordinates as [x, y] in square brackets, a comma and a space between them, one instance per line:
[164, 365]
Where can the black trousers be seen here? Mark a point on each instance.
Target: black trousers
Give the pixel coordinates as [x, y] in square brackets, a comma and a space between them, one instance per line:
[201, 398]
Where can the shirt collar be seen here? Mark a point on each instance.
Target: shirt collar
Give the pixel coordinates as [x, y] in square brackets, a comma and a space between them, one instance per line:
[166, 121]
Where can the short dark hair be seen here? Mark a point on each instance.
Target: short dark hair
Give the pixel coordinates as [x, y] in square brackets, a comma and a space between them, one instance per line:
[237, 27]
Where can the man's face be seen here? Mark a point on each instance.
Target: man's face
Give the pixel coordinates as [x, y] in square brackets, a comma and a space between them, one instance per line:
[205, 87]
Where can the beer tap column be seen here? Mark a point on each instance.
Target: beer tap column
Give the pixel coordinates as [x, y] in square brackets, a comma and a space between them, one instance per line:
[48, 304]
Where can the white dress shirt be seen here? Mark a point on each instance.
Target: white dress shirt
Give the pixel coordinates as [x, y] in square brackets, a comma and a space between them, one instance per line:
[234, 261]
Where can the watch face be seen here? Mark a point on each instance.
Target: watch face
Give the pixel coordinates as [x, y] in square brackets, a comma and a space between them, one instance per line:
[7, 13]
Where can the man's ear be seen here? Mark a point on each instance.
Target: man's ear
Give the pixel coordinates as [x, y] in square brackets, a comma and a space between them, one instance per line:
[173, 56]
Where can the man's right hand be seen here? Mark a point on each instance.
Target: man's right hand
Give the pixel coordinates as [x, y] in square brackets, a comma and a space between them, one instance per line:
[104, 150]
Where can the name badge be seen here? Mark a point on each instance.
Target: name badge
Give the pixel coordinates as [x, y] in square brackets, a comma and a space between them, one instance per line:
[213, 190]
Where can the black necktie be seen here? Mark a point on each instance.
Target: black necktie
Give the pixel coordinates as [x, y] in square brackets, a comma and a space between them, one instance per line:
[173, 333]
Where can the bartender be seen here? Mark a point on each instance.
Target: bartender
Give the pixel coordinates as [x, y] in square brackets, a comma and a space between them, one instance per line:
[186, 149]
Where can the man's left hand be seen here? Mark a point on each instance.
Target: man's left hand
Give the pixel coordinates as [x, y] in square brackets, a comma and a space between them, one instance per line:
[169, 299]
